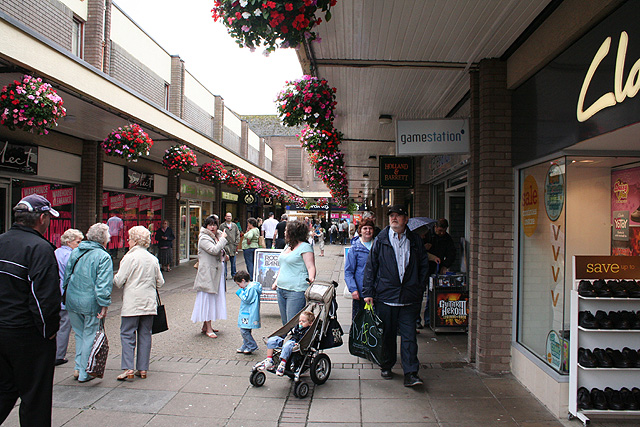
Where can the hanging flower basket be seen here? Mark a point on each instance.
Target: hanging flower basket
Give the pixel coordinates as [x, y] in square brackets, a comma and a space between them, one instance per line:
[213, 171]
[128, 142]
[254, 185]
[320, 140]
[30, 105]
[236, 179]
[179, 158]
[269, 23]
[268, 190]
[322, 202]
[307, 100]
[298, 202]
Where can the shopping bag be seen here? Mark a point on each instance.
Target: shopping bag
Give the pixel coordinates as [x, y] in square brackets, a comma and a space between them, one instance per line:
[333, 336]
[159, 320]
[365, 336]
[99, 352]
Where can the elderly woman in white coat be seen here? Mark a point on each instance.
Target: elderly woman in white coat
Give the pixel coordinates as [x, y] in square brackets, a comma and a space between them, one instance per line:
[140, 276]
[210, 302]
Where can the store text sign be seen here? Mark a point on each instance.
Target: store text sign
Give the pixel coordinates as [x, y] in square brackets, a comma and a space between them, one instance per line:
[622, 88]
[420, 137]
[607, 267]
[396, 172]
[19, 158]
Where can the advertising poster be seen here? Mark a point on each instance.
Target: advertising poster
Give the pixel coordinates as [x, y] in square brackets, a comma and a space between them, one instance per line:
[452, 309]
[265, 270]
[625, 212]
[529, 206]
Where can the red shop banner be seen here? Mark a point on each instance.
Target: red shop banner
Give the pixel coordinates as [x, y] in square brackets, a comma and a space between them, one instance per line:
[116, 202]
[156, 205]
[145, 204]
[42, 190]
[62, 196]
[105, 199]
[131, 203]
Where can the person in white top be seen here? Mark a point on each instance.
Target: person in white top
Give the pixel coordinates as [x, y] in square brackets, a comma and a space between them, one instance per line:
[269, 230]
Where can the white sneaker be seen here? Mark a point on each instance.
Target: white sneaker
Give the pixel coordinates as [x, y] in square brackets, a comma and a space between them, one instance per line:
[266, 364]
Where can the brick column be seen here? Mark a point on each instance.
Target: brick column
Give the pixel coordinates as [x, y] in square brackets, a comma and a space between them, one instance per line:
[94, 34]
[171, 212]
[261, 159]
[218, 119]
[176, 88]
[99, 183]
[472, 273]
[494, 219]
[244, 140]
[87, 190]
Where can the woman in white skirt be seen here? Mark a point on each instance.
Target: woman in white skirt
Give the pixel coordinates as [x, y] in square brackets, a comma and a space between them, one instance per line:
[211, 303]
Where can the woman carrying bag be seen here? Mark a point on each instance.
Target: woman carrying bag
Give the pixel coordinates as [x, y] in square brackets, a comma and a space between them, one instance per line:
[140, 276]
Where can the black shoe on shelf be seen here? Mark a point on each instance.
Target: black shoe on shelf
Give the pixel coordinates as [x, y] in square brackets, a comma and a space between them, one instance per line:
[633, 289]
[587, 320]
[586, 358]
[604, 360]
[614, 399]
[386, 374]
[618, 360]
[598, 399]
[604, 321]
[586, 289]
[601, 288]
[412, 379]
[636, 394]
[630, 356]
[628, 400]
[617, 289]
[584, 399]
[619, 319]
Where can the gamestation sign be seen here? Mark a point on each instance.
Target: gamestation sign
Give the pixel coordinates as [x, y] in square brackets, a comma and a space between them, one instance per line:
[421, 137]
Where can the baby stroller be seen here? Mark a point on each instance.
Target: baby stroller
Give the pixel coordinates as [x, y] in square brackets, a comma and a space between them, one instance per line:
[325, 332]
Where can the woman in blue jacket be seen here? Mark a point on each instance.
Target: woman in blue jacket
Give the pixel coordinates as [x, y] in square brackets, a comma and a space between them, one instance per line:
[88, 281]
[355, 263]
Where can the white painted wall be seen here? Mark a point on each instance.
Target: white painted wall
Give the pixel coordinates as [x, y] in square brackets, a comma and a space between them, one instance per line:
[79, 7]
[268, 152]
[254, 140]
[233, 123]
[160, 184]
[58, 165]
[113, 176]
[135, 41]
[199, 94]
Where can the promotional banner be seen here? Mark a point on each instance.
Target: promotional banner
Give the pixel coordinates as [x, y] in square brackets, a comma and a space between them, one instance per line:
[625, 212]
[265, 271]
[427, 137]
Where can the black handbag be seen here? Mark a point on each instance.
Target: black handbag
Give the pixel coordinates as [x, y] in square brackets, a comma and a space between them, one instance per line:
[160, 319]
[333, 336]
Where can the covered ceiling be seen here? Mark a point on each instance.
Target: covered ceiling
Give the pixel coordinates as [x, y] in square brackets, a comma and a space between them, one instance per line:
[409, 59]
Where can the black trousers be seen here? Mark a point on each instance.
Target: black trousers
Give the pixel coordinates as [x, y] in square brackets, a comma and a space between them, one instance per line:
[27, 363]
[399, 321]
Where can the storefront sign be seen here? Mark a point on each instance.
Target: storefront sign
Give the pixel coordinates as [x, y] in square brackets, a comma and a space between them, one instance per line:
[131, 203]
[19, 158]
[156, 205]
[442, 136]
[192, 190]
[554, 192]
[134, 180]
[590, 89]
[249, 199]
[396, 172]
[145, 203]
[529, 206]
[590, 267]
[41, 190]
[267, 200]
[62, 196]
[229, 196]
[116, 202]
[620, 226]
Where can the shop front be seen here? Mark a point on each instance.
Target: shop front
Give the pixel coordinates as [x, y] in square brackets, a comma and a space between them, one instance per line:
[28, 169]
[577, 170]
[196, 204]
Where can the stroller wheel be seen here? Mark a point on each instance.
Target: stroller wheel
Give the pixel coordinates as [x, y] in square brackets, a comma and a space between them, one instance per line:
[320, 369]
[257, 378]
[301, 390]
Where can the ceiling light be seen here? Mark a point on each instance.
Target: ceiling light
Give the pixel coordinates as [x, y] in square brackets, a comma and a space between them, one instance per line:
[365, 175]
[385, 119]
[373, 157]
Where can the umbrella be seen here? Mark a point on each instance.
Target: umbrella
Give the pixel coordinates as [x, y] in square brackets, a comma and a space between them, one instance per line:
[421, 221]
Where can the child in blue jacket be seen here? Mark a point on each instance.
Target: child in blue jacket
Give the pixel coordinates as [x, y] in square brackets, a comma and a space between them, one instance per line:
[249, 314]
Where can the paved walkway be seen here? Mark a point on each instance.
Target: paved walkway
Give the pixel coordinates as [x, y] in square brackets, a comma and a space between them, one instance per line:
[196, 381]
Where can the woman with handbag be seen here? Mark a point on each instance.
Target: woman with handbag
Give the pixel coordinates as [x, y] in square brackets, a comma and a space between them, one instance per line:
[211, 303]
[250, 242]
[140, 276]
[88, 281]
[354, 264]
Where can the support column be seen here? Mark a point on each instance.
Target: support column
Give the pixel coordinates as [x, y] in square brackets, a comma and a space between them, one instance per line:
[88, 190]
[494, 219]
[472, 274]
[421, 192]
[171, 212]
[176, 89]
[218, 119]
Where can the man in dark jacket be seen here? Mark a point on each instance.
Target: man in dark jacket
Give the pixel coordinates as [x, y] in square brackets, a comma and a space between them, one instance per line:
[29, 313]
[395, 279]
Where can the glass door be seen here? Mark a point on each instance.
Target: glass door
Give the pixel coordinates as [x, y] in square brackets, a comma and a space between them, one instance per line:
[184, 235]
[195, 222]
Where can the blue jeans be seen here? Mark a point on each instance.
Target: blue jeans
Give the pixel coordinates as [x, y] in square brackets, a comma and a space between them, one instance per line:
[232, 261]
[248, 260]
[399, 321]
[290, 303]
[248, 343]
[287, 348]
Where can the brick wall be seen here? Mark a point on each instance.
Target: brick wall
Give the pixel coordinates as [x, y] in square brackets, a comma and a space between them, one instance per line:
[171, 207]
[87, 194]
[131, 72]
[176, 88]
[421, 193]
[472, 274]
[50, 18]
[279, 145]
[197, 117]
[218, 120]
[94, 33]
[494, 219]
[244, 140]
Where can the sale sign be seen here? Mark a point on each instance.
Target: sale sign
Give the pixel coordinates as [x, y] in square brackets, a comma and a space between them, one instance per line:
[529, 206]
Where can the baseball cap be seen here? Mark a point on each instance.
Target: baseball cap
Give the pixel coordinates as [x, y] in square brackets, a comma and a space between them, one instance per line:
[399, 209]
[35, 203]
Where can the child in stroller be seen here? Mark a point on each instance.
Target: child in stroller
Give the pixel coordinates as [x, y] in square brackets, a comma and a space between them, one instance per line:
[287, 343]
[304, 353]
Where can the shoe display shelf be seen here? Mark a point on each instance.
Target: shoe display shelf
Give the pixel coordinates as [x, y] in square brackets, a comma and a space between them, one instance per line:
[600, 378]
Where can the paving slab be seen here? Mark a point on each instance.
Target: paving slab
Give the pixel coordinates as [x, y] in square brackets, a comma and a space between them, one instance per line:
[258, 408]
[335, 410]
[505, 387]
[212, 368]
[523, 409]
[213, 384]
[185, 421]
[201, 405]
[78, 396]
[483, 410]
[131, 400]
[390, 389]
[108, 419]
[397, 411]
[166, 381]
[170, 366]
[59, 417]
[347, 389]
[345, 374]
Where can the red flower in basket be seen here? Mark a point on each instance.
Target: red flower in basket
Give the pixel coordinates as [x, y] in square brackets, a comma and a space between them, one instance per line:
[179, 158]
[213, 171]
[128, 142]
